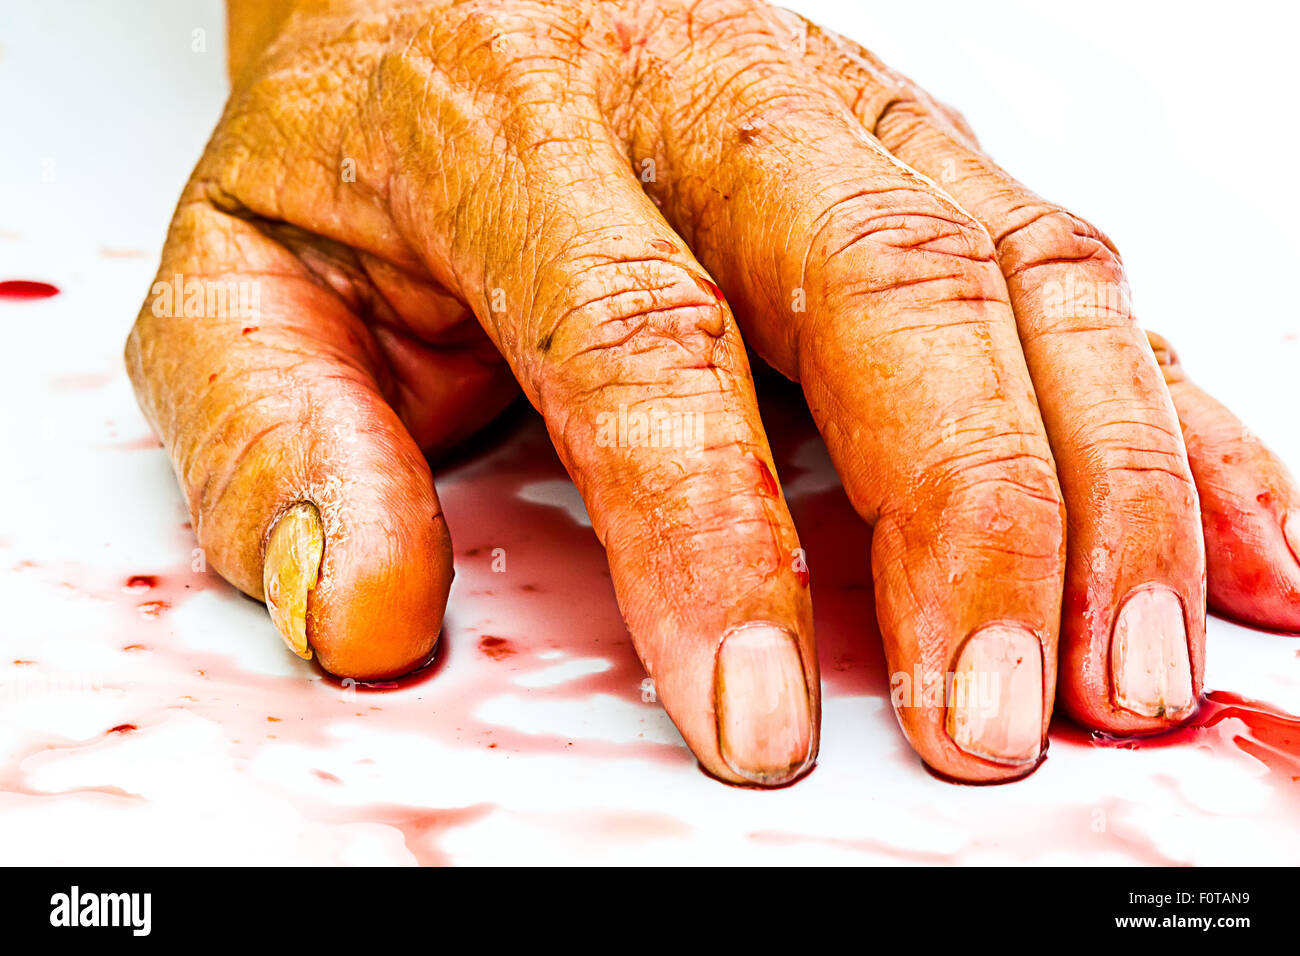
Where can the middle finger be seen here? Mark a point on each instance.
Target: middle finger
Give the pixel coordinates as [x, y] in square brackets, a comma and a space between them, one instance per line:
[854, 275]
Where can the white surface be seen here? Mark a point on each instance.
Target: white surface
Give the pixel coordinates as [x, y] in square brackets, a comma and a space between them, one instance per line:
[1168, 127]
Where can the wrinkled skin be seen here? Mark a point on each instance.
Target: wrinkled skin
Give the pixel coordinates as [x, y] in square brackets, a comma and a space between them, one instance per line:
[602, 204]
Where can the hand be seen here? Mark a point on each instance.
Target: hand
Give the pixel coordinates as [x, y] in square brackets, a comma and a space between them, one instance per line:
[407, 209]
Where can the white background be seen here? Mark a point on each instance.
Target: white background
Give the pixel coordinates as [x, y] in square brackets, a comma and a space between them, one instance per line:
[1170, 126]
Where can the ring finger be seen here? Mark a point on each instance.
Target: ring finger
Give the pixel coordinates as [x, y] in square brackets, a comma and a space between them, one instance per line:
[1133, 633]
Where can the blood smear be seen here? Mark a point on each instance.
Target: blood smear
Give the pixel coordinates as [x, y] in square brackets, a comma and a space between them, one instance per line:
[521, 620]
[26, 289]
[1262, 731]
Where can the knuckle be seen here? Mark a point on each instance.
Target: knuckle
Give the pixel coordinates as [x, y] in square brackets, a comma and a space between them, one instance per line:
[971, 464]
[908, 238]
[895, 114]
[637, 355]
[632, 319]
[994, 495]
[1058, 240]
[908, 218]
[980, 501]
[1067, 273]
[1138, 449]
[1027, 472]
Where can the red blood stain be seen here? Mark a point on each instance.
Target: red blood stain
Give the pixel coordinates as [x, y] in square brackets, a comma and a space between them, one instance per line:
[144, 443]
[484, 505]
[152, 608]
[140, 582]
[1262, 731]
[496, 648]
[26, 289]
[122, 729]
[421, 827]
[711, 287]
[663, 245]
[248, 328]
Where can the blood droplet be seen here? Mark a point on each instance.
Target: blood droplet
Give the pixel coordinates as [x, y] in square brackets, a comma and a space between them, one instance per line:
[26, 289]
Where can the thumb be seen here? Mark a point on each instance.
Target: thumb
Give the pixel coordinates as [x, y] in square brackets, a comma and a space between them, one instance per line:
[304, 487]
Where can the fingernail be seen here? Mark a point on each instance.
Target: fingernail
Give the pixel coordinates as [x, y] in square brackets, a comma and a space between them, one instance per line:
[1291, 531]
[761, 697]
[292, 565]
[1150, 670]
[995, 706]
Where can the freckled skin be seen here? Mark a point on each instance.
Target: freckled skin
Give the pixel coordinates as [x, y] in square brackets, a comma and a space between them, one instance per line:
[599, 205]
